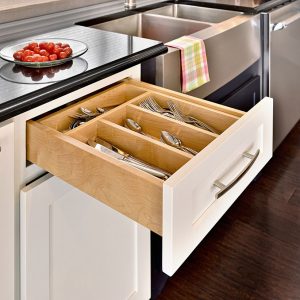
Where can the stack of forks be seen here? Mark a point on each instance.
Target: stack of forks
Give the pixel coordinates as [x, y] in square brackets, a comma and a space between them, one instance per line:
[174, 112]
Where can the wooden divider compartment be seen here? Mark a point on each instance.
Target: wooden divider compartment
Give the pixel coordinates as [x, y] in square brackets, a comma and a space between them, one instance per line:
[190, 99]
[218, 120]
[152, 124]
[113, 96]
[137, 145]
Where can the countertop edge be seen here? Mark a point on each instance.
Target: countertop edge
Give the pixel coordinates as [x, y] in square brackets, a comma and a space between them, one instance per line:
[29, 101]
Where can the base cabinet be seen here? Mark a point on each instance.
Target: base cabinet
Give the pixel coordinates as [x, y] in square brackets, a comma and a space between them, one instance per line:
[7, 254]
[74, 247]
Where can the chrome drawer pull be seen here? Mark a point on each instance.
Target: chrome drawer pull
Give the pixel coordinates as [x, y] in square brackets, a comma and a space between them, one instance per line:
[224, 188]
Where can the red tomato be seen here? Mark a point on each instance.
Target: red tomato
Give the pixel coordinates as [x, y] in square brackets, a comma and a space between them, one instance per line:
[29, 58]
[68, 50]
[44, 53]
[58, 44]
[37, 58]
[50, 47]
[43, 45]
[56, 50]
[31, 46]
[52, 57]
[65, 45]
[62, 55]
[37, 50]
[26, 48]
[18, 55]
[28, 52]
[45, 58]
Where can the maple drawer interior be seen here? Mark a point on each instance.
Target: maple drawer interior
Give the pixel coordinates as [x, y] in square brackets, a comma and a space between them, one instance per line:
[138, 195]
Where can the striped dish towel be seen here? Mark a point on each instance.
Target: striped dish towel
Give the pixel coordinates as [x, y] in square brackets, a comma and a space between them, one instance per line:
[194, 69]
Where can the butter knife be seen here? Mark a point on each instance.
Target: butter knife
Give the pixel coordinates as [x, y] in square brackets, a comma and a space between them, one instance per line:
[139, 165]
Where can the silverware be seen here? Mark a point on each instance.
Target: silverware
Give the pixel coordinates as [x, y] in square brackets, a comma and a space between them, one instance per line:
[88, 112]
[86, 115]
[134, 126]
[119, 154]
[188, 119]
[173, 141]
[76, 123]
[150, 104]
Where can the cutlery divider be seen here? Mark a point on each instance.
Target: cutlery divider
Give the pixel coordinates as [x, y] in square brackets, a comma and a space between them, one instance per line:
[118, 94]
[185, 97]
[145, 148]
[216, 119]
[126, 96]
[153, 123]
[115, 114]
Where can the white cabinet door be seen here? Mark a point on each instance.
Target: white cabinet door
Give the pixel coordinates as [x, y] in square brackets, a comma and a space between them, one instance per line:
[7, 254]
[74, 247]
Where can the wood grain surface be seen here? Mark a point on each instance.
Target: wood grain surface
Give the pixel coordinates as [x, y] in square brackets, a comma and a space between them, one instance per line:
[253, 252]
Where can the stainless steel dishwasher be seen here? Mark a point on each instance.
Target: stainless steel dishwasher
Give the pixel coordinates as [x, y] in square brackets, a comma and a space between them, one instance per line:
[285, 68]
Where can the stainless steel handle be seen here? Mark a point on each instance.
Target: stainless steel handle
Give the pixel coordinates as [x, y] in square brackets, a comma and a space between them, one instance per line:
[224, 188]
[284, 24]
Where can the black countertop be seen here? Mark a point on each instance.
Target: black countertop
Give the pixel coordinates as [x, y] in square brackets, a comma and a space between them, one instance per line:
[108, 53]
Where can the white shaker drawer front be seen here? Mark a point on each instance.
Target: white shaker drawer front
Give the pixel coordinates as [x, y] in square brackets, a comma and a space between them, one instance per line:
[197, 196]
[184, 207]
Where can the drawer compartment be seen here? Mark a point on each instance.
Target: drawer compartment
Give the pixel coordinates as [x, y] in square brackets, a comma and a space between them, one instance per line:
[187, 205]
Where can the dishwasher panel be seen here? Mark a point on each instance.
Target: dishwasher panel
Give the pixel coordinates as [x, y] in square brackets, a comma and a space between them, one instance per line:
[285, 68]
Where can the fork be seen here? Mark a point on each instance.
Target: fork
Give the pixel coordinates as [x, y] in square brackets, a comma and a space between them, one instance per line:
[188, 119]
[150, 104]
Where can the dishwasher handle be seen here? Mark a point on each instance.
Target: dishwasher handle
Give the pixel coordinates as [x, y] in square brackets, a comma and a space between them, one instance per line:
[284, 24]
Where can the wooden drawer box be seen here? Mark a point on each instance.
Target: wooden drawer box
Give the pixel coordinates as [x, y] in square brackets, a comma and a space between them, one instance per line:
[187, 205]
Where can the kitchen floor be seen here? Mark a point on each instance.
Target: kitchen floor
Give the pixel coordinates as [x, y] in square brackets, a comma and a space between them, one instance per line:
[254, 250]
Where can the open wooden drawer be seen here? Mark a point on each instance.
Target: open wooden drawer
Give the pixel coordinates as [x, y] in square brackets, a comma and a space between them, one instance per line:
[187, 205]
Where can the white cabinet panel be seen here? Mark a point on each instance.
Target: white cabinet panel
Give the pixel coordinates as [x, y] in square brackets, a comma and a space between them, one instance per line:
[7, 254]
[193, 203]
[74, 247]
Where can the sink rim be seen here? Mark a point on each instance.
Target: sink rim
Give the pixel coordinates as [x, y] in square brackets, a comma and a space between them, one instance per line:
[134, 25]
[229, 14]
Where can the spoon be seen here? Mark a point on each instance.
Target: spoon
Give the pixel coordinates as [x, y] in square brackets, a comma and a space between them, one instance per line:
[173, 141]
[76, 123]
[88, 112]
[134, 126]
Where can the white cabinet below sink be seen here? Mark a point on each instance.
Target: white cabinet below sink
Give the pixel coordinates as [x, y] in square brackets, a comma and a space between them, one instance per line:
[74, 247]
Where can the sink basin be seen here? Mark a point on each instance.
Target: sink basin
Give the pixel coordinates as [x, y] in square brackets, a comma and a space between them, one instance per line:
[155, 27]
[203, 14]
[232, 41]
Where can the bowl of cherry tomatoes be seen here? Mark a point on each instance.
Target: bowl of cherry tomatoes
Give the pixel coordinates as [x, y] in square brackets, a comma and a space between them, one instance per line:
[43, 53]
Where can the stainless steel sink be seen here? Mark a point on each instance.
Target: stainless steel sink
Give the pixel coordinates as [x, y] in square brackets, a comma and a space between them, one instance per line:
[202, 14]
[155, 27]
[232, 41]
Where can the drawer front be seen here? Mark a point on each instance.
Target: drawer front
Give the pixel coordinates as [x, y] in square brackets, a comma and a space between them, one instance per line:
[182, 208]
[193, 202]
